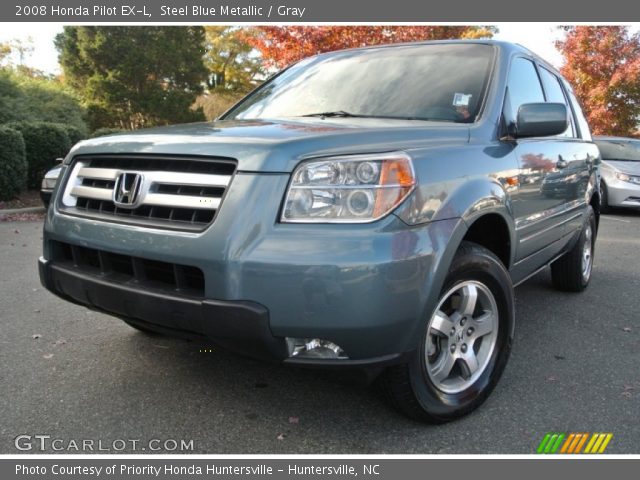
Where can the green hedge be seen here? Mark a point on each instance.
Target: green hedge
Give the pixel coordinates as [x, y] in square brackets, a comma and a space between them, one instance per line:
[101, 132]
[75, 133]
[44, 143]
[13, 163]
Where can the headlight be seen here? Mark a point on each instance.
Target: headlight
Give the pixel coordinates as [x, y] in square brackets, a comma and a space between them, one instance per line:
[50, 179]
[628, 178]
[49, 183]
[348, 189]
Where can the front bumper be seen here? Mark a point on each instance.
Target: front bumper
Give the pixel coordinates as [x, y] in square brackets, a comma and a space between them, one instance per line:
[238, 326]
[623, 194]
[367, 287]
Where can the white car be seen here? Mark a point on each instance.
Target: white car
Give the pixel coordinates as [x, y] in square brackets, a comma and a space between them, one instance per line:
[49, 183]
[620, 172]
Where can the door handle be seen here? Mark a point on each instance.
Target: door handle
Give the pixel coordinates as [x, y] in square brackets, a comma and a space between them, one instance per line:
[561, 163]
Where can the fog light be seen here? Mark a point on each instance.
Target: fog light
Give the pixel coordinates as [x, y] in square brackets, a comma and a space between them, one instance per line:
[314, 348]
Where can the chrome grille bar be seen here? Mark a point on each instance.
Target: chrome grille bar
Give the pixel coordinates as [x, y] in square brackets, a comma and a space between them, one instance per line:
[92, 192]
[181, 201]
[168, 178]
[98, 173]
[172, 194]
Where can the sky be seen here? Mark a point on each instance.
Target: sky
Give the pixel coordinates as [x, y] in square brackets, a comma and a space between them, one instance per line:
[538, 37]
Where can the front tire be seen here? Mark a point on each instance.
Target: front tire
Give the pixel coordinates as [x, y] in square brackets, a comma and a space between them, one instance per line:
[572, 271]
[465, 343]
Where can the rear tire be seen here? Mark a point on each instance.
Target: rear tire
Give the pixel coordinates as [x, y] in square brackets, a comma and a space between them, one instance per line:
[572, 271]
[474, 319]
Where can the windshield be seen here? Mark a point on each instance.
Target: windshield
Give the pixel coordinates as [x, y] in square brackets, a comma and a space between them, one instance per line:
[628, 150]
[442, 82]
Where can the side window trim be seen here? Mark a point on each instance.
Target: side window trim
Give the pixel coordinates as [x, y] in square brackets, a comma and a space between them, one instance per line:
[574, 115]
[539, 73]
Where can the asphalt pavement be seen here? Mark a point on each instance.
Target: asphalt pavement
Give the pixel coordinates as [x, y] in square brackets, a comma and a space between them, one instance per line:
[77, 375]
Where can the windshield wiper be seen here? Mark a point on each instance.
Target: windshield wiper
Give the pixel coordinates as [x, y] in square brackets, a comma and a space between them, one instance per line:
[337, 113]
[345, 114]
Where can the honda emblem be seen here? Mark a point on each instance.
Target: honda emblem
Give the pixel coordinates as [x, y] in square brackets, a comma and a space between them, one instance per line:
[127, 190]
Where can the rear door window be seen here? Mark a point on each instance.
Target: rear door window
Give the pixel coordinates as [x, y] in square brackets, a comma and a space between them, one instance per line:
[582, 124]
[555, 94]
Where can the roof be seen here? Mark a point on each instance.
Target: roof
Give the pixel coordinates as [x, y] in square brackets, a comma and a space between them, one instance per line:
[612, 138]
[508, 47]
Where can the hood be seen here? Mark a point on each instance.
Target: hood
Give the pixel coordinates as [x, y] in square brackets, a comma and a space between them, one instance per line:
[277, 146]
[630, 167]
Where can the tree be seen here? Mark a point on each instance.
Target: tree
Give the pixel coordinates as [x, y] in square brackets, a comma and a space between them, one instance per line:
[16, 48]
[5, 51]
[132, 77]
[231, 59]
[27, 98]
[13, 55]
[44, 142]
[603, 65]
[281, 46]
[235, 69]
[13, 163]
[23, 48]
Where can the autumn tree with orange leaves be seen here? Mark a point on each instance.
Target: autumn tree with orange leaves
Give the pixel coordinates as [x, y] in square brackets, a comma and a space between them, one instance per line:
[603, 65]
[281, 46]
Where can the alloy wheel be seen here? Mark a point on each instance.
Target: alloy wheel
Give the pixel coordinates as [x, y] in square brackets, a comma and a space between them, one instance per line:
[461, 336]
[587, 253]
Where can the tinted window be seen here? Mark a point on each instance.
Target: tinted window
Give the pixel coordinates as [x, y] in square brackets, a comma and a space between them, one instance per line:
[437, 82]
[555, 95]
[524, 86]
[619, 149]
[552, 87]
[585, 133]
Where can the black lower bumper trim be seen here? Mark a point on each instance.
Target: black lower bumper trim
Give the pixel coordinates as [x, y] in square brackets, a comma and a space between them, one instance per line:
[239, 326]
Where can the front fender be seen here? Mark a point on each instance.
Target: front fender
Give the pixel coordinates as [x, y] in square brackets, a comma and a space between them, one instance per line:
[455, 233]
[464, 198]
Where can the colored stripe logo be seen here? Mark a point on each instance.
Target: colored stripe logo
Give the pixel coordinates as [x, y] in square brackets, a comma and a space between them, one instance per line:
[574, 443]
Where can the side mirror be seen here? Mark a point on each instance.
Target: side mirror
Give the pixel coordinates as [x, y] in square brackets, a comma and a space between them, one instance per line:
[541, 120]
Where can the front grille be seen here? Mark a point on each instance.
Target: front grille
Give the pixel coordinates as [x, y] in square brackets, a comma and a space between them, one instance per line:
[169, 277]
[180, 193]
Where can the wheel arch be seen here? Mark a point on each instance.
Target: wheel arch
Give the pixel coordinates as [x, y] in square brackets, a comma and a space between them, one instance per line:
[493, 231]
[473, 229]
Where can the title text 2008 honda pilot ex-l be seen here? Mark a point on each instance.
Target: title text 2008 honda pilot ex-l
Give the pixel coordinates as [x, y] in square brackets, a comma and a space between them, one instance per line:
[370, 208]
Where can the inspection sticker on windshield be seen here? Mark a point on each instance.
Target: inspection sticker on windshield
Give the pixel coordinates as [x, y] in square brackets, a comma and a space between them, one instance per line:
[461, 99]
